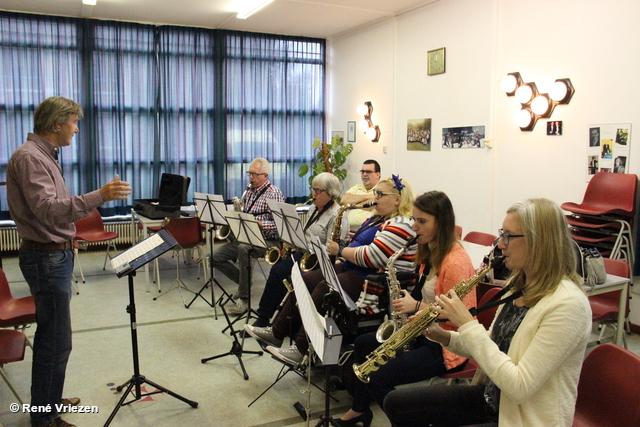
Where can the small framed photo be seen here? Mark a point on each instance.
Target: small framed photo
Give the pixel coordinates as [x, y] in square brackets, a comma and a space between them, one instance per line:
[554, 128]
[351, 131]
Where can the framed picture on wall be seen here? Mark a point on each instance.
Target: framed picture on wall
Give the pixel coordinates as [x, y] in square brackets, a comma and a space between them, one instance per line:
[339, 134]
[351, 131]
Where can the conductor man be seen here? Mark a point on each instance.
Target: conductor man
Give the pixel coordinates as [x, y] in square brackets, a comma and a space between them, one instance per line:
[44, 214]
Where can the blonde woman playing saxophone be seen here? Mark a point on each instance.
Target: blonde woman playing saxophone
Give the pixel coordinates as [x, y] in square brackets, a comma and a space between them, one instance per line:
[442, 263]
[325, 188]
[374, 242]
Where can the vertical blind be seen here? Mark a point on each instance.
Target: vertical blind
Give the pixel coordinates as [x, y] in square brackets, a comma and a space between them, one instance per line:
[194, 102]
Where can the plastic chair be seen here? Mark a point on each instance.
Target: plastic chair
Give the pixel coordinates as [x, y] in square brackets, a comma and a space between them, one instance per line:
[458, 232]
[480, 238]
[609, 389]
[188, 233]
[607, 193]
[485, 318]
[605, 307]
[91, 230]
[15, 313]
[12, 346]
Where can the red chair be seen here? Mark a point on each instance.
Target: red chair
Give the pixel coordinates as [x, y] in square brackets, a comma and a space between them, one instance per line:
[15, 313]
[605, 307]
[607, 193]
[458, 232]
[189, 235]
[12, 345]
[480, 238]
[609, 389]
[91, 230]
[485, 318]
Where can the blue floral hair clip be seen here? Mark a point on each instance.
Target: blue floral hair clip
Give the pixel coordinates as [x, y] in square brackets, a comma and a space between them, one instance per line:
[399, 185]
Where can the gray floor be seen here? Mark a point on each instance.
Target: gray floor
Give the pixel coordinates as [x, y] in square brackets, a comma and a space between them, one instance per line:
[172, 341]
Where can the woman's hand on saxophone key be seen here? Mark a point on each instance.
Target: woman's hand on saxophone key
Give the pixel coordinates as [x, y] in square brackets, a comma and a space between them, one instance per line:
[332, 248]
[435, 333]
[405, 305]
[450, 306]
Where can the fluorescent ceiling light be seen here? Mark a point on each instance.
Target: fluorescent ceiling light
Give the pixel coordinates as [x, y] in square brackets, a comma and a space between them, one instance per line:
[89, 2]
[244, 14]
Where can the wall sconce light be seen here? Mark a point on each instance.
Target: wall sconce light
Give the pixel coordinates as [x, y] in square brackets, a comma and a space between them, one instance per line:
[535, 105]
[370, 130]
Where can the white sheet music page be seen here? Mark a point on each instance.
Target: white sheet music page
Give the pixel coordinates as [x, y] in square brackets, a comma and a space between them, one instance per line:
[314, 323]
[136, 252]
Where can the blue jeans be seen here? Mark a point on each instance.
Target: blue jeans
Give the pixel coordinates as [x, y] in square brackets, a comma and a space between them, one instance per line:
[48, 274]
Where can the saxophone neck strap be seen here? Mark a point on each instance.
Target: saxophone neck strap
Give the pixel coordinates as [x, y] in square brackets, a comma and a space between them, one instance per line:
[496, 301]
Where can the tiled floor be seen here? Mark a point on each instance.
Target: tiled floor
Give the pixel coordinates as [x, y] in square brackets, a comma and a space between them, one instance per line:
[172, 341]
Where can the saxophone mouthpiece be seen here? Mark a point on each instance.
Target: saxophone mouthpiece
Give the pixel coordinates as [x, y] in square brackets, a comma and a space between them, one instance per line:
[369, 204]
[411, 241]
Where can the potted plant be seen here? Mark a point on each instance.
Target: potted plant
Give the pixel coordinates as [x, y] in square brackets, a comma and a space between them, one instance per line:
[329, 157]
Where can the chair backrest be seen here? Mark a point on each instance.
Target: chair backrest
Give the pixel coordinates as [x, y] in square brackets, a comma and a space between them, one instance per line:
[93, 222]
[5, 290]
[186, 230]
[617, 268]
[486, 317]
[613, 192]
[609, 388]
[480, 238]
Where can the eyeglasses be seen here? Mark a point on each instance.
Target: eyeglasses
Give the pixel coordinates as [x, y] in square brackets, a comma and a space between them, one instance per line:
[367, 172]
[317, 190]
[253, 174]
[379, 194]
[506, 236]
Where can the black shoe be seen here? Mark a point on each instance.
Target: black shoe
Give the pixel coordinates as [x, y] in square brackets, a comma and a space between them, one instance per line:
[365, 418]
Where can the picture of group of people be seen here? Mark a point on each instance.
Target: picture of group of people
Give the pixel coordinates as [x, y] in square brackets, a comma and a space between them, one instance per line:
[463, 137]
[419, 134]
[608, 149]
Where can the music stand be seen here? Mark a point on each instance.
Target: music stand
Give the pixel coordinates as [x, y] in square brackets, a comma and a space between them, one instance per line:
[323, 333]
[126, 264]
[288, 224]
[210, 207]
[246, 229]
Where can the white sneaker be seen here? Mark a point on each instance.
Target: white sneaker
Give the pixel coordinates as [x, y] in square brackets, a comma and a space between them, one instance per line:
[289, 355]
[263, 334]
[238, 306]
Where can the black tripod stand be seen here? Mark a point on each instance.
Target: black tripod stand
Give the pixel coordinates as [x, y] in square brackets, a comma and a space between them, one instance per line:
[137, 379]
[246, 228]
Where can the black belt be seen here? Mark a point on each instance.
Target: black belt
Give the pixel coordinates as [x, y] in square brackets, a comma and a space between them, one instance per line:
[51, 246]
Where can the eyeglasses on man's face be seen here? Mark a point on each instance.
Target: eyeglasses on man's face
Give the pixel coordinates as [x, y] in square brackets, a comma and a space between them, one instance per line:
[379, 194]
[506, 236]
[254, 174]
[317, 190]
[362, 171]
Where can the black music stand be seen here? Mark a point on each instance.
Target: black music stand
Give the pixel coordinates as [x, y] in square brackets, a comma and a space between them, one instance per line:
[246, 229]
[126, 264]
[288, 224]
[210, 207]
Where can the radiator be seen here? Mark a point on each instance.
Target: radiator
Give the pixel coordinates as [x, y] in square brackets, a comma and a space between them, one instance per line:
[10, 241]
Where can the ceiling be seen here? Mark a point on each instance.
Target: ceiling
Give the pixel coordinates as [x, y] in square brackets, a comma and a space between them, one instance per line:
[311, 18]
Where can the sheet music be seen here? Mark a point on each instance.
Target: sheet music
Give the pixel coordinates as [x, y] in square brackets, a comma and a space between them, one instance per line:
[246, 229]
[211, 208]
[329, 272]
[314, 324]
[288, 224]
[143, 252]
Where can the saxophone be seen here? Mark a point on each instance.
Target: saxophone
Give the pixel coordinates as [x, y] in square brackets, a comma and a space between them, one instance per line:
[223, 231]
[422, 321]
[396, 321]
[337, 225]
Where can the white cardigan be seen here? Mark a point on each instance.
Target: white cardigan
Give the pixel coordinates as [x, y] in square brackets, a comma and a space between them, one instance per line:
[538, 377]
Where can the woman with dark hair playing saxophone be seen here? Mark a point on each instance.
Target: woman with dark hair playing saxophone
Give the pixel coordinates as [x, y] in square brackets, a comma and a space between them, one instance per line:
[441, 263]
[372, 245]
[325, 188]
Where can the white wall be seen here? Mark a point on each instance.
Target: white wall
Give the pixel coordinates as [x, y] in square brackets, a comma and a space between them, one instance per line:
[591, 43]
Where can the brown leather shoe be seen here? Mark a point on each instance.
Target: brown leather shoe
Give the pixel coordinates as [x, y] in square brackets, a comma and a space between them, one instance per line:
[71, 401]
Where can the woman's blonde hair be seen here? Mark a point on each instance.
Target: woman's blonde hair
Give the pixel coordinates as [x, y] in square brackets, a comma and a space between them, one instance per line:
[551, 254]
[406, 195]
